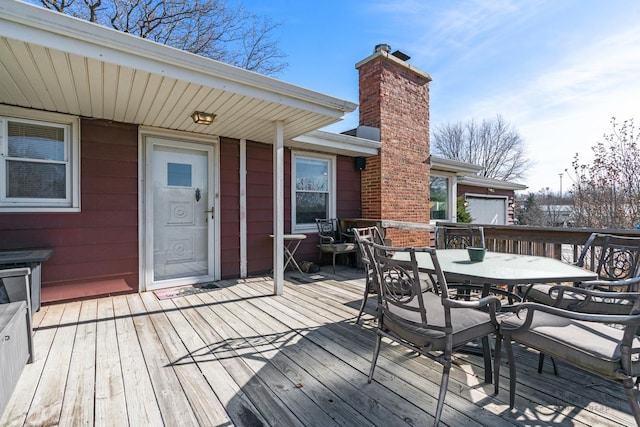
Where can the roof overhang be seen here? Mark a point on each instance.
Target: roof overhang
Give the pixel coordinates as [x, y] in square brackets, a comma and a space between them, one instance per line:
[454, 166]
[336, 143]
[480, 181]
[54, 62]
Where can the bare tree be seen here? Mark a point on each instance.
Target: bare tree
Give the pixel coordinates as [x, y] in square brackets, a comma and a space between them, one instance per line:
[210, 28]
[607, 192]
[491, 144]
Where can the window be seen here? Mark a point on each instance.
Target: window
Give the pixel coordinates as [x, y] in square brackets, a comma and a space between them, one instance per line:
[39, 162]
[440, 198]
[179, 174]
[313, 191]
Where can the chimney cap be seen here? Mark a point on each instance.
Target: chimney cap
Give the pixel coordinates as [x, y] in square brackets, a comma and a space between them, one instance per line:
[382, 47]
[401, 55]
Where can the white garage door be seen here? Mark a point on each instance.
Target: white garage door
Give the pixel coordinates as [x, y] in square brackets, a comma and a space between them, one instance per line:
[488, 210]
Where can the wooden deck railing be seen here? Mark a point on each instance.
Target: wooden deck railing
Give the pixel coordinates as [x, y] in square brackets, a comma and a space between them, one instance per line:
[553, 242]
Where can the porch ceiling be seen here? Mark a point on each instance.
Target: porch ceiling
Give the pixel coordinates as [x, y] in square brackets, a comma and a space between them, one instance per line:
[53, 62]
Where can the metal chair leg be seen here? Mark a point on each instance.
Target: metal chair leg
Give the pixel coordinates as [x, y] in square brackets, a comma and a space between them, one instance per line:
[365, 297]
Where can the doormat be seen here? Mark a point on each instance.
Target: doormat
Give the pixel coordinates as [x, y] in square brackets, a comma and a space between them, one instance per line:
[181, 291]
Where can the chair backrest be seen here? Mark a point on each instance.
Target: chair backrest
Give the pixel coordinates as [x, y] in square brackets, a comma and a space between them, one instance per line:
[371, 234]
[611, 256]
[398, 280]
[329, 230]
[459, 237]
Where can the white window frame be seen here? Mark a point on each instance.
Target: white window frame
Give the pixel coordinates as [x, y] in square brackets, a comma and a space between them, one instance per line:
[71, 124]
[452, 196]
[311, 227]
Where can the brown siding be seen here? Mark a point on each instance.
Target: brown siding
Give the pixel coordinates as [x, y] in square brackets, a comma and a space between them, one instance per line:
[259, 207]
[260, 204]
[96, 250]
[229, 207]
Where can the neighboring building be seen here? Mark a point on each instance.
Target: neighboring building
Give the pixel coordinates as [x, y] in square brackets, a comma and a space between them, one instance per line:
[488, 201]
[108, 163]
[557, 215]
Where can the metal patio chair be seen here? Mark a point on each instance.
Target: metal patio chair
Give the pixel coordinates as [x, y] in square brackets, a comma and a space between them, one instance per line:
[333, 240]
[603, 345]
[459, 237]
[616, 261]
[370, 234]
[427, 323]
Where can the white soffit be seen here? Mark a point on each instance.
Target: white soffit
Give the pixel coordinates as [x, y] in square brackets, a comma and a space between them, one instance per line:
[54, 62]
[336, 143]
[454, 166]
[480, 181]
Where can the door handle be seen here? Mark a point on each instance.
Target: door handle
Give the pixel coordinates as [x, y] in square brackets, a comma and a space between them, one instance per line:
[210, 212]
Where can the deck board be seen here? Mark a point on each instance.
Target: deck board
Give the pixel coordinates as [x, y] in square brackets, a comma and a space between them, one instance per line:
[238, 355]
[110, 408]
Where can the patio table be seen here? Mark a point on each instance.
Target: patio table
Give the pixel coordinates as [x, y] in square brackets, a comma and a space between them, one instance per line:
[501, 268]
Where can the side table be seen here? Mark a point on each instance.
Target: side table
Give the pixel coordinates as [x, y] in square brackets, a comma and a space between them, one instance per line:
[291, 243]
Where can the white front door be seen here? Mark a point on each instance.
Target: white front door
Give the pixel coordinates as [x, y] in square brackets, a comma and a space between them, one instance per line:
[180, 214]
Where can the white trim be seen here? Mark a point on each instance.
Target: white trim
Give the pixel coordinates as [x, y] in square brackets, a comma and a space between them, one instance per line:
[70, 122]
[331, 159]
[480, 181]
[442, 164]
[278, 208]
[243, 208]
[335, 143]
[452, 195]
[187, 141]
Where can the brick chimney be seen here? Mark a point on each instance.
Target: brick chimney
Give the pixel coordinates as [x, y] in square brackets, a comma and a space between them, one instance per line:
[394, 98]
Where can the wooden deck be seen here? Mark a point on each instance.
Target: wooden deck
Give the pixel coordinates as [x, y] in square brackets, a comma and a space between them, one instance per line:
[240, 356]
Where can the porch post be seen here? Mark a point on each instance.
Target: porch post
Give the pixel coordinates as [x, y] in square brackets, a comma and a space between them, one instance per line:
[243, 208]
[278, 208]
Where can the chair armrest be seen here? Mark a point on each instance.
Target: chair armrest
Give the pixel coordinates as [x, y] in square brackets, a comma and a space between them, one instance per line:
[326, 240]
[532, 307]
[490, 300]
[599, 284]
[580, 299]
[561, 289]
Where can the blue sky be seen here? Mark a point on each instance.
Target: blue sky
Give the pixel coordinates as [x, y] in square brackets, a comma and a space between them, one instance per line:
[556, 70]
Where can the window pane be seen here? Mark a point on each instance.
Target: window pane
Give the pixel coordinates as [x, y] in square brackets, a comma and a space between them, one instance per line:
[179, 174]
[310, 206]
[439, 197]
[36, 180]
[34, 141]
[312, 175]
